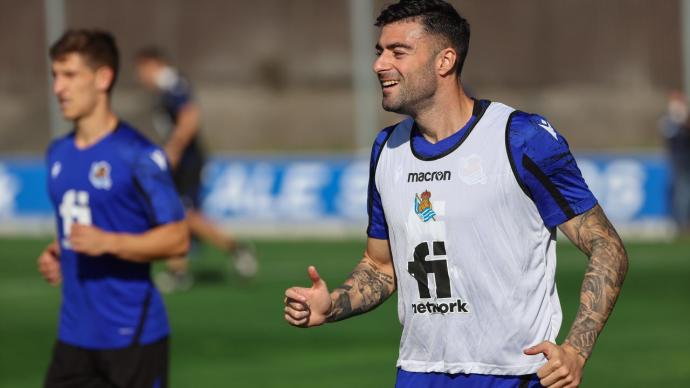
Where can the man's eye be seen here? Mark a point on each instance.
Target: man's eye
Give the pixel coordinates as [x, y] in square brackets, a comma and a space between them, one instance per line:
[398, 54]
[378, 53]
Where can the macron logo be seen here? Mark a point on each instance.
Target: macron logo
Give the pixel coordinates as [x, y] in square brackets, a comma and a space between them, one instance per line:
[158, 158]
[545, 124]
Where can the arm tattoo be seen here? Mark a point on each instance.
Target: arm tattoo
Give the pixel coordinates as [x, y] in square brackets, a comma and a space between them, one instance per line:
[608, 264]
[366, 288]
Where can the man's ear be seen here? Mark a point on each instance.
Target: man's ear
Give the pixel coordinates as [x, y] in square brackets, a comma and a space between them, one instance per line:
[446, 61]
[104, 78]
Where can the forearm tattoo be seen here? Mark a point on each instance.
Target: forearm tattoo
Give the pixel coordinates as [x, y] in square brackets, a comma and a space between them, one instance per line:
[366, 288]
[608, 264]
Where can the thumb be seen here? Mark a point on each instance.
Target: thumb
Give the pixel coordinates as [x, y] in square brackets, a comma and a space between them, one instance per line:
[545, 347]
[314, 276]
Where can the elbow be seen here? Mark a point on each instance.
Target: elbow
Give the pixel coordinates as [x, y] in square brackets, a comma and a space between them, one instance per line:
[182, 241]
[620, 266]
[183, 246]
[624, 264]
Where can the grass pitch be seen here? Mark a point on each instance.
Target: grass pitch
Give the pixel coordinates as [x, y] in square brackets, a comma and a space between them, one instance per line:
[231, 334]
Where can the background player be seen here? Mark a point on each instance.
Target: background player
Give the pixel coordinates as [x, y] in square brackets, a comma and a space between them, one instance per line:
[178, 122]
[475, 270]
[117, 210]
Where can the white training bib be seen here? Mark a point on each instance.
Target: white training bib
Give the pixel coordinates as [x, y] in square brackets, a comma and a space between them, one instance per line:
[475, 264]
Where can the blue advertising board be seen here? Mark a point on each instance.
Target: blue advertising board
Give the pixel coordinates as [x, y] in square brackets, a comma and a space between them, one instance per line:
[309, 192]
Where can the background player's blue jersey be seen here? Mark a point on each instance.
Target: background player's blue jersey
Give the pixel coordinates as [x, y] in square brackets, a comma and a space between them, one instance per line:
[540, 157]
[120, 184]
[175, 96]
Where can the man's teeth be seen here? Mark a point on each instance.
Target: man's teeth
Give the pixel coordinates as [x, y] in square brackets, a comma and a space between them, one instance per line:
[389, 83]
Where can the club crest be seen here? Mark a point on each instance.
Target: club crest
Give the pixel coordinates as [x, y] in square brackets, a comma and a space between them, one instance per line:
[100, 175]
[423, 207]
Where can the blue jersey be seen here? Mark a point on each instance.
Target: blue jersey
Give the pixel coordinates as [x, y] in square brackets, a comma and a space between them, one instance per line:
[541, 160]
[120, 184]
[175, 96]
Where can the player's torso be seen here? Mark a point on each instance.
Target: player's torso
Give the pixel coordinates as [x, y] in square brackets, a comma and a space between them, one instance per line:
[468, 246]
[95, 186]
[103, 296]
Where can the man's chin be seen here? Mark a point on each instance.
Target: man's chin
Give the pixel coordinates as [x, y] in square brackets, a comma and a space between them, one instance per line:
[69, 116]
[390, 106]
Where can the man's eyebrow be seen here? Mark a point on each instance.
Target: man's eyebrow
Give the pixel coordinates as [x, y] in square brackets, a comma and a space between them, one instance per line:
[393, 46]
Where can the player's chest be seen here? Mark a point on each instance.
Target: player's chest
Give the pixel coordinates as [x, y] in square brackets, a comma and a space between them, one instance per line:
[457, 188]
[96, 180]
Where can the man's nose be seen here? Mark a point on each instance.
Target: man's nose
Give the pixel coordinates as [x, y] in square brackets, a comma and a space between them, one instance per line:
[381, 64]
[58, 85]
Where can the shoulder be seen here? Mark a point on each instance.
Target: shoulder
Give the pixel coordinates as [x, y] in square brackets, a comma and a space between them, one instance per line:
[531, 127]
[385, 134]
[399, 132]
[60, 144]
[128, 135]
[394, 135]
[132, 145]
[178, 87]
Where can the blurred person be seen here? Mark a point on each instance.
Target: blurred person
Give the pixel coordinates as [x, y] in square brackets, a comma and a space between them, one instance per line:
[116, 211]
[675, 127]
[178, 122]
[464, 200]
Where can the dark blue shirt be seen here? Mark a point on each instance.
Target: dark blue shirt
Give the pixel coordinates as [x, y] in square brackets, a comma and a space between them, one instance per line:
[173, 99]
[120, 184]
[541, 159]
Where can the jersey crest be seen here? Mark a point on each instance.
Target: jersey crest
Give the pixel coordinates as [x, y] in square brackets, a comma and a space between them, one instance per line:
[423, 207]
[100, 175]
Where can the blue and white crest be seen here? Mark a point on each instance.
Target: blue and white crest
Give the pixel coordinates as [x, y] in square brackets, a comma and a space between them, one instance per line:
[100, 175]
[423, 207]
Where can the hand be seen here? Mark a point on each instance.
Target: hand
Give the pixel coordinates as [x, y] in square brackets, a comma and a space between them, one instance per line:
[564, 368]
[90, 240]
[49, 264]
[306, 307]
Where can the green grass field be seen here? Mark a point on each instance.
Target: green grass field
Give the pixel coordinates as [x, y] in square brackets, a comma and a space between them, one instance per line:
[229, 334]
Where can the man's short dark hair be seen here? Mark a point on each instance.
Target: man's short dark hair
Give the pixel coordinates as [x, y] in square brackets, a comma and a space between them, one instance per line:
[151, 53]
[96, 46]
[437, 17]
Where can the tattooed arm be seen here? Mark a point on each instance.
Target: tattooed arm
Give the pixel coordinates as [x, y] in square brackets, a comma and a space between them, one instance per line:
[370, 284]
[608, 263]
[594, 235]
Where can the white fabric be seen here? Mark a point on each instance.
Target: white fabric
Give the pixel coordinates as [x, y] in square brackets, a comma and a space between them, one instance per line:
[501, 258]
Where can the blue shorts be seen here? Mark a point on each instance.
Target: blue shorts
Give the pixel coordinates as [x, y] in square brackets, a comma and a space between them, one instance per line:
[445, 380]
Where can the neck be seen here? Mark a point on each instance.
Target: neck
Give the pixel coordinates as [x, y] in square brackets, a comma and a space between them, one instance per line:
[450, 111]
[95, 126]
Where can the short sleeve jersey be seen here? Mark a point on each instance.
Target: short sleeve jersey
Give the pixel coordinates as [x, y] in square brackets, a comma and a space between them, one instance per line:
[177, 94]
[120, 184]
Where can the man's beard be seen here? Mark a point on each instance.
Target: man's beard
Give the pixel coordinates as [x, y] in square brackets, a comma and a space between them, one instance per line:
[412, 97]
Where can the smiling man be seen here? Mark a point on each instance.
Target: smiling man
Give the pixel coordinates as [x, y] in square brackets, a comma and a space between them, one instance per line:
[465, 197]
[116, 210]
